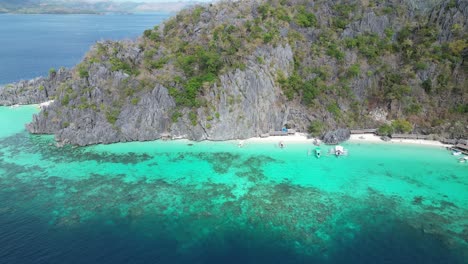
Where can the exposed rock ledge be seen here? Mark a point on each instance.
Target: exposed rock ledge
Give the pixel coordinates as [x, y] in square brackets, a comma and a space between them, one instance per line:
[336, 136]
[33, 91]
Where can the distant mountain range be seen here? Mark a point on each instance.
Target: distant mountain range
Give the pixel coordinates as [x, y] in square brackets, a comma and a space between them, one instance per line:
[87, 6]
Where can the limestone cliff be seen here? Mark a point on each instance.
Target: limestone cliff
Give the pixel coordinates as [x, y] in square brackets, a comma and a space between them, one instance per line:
[240, 69]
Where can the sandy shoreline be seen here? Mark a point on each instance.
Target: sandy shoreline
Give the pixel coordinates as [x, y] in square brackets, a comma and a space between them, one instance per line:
[375, 138]
[364, 138]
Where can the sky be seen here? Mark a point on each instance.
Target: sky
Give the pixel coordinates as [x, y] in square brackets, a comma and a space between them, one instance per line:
[152, 1]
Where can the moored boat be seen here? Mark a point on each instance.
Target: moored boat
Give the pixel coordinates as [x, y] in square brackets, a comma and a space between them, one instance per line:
[318, 152]
[338, 151]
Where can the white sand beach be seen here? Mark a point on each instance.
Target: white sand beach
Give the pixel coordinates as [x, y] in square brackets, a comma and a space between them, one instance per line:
[296, 138]
[365, 138]
[375, 138]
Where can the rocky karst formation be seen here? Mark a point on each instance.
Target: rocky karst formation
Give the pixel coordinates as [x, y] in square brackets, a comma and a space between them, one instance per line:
[239, 69]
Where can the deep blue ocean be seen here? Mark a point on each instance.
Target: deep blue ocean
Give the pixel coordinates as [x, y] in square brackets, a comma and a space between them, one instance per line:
[32, 44]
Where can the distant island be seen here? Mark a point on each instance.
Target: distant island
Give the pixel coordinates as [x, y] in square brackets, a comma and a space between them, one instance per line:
[87, 6]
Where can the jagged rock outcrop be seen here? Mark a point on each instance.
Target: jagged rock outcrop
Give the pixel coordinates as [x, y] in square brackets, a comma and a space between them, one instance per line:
[336, 136]
[34, 91]
[248, 103]
[240, 69]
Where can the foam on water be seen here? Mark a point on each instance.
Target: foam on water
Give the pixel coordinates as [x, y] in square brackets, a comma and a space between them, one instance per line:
[206, 202]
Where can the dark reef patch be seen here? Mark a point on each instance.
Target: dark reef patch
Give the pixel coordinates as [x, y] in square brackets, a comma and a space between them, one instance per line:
[25, 143]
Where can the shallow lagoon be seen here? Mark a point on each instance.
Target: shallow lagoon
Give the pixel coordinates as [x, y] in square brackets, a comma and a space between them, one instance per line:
[207, 202]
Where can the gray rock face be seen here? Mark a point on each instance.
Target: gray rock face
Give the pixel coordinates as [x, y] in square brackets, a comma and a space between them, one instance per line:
[336, 136]
[370, 22]
[33, 91]
[246, 104]
[250, 102]
[447, 17]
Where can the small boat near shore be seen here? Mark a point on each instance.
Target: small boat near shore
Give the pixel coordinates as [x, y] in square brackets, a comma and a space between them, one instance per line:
[318, 152]
[338, 151]
[281, 144]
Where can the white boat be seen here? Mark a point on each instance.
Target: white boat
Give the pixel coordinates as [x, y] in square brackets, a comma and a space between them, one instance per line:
[338, 151]
[15, 106]
[456, 153]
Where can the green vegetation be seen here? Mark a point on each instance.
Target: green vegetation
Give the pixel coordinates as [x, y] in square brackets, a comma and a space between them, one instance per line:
[82, 71]
[290, 85]
[175, 116]
[385, 130]
[334, 51]
[193, 118]
[120, 65]
[354, 70]
[135, 101]
[460, 109]
[310, 91]
[334, 109]
[397, 126]
[402, 126]
[152, 34]
[65, 100]
[112, 115]
[343, 14]
[316, 128]
[427, 86]
[304, 18]
[369, 45]
[52, 71]
[395, 86]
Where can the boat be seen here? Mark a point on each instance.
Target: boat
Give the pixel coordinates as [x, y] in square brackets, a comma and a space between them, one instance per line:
[463, 159]
[15, 106]
[456, 153]
[318, 152]
[281, 144]
[338, 151]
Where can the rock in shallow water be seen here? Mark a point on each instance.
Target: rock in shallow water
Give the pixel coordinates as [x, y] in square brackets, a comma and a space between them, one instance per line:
[336, 136]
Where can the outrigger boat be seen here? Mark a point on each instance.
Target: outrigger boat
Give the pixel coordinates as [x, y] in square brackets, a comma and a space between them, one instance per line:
[338, 151]
[318, 152]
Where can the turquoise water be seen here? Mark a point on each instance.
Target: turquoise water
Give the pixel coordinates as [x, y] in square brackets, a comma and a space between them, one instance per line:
[186, 202]
[32, 44]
